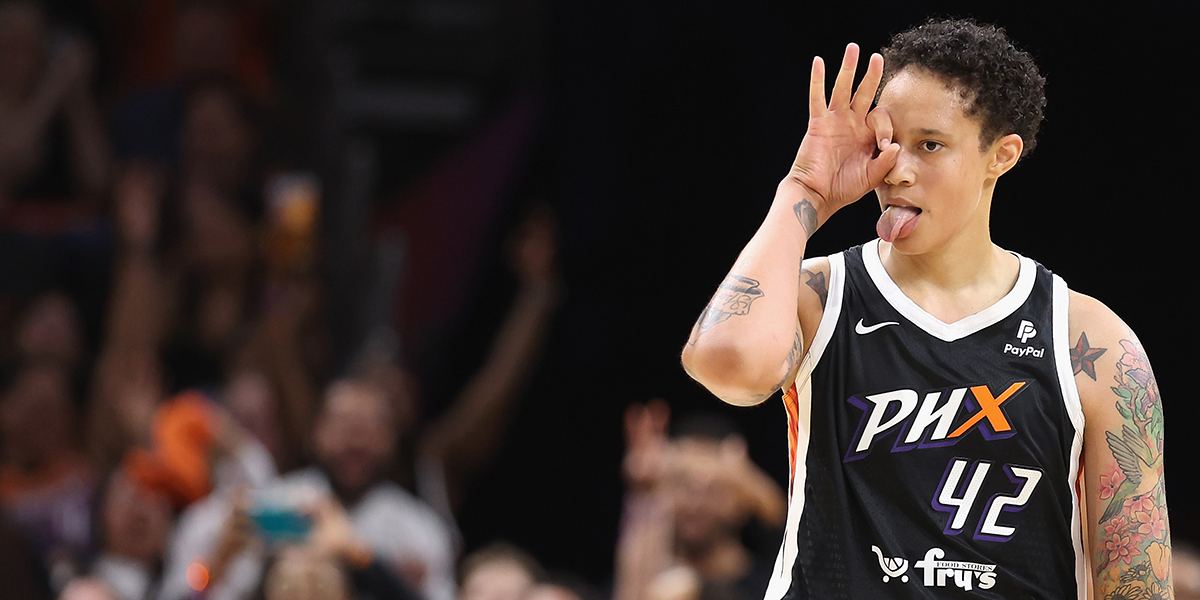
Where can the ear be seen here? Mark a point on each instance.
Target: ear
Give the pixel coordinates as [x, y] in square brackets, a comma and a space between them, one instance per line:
[1005, 153]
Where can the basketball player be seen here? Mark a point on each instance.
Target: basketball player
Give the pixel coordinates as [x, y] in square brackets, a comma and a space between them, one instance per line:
[943, 393]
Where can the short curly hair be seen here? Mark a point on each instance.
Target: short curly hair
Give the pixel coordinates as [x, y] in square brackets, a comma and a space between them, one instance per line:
[999, 82]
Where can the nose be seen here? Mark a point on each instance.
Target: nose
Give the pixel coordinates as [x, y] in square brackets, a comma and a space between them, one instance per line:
[904, 171]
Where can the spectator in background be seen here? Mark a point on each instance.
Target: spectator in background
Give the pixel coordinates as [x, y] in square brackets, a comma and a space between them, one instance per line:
[53, 147]
[552, 591]
[354, 440]
[300, 573]
[687, 501]
[498, 572]
[335, 563]
[135, 523]
[88, 588]
[50, 330]
[54, 160]
[454, 447]
[187, 283]
[20, 570]
[501, 571]
[46, 484]
[165, 46]
[211, 267]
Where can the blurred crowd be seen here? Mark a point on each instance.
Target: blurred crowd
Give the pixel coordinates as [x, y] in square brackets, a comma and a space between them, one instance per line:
[172, 424]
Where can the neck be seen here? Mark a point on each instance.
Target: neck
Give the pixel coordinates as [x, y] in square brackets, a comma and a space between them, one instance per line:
[961, 277]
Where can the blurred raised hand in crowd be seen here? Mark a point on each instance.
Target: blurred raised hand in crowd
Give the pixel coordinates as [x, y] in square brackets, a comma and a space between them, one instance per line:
[165, 357]
[688, 498]
[54, 153]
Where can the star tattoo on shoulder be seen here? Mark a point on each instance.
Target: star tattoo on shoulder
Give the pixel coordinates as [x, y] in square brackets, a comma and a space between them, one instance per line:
[1083, 357]
[816, 281]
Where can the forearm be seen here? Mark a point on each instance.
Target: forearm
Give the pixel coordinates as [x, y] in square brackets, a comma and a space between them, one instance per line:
[747, 340]
[475, 422]
[89, 144]
[30, 123]
[135, 313]
[644, 544]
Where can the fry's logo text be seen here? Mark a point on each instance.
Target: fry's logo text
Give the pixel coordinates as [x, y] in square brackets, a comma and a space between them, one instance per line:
[926, 423]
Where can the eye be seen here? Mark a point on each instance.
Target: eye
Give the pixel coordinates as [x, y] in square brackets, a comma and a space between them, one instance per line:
[931, 146]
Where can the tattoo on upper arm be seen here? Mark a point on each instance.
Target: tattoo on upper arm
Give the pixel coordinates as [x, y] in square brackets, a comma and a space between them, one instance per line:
[1083, 357]
[1134, 557]
[807, 215]
[733, 298]
[816, 281]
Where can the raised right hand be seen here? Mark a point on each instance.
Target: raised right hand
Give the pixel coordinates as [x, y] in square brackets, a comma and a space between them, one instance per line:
[840, 159]
[646, 445]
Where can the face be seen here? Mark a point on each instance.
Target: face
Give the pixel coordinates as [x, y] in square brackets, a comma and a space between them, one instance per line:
[355, 435]
[51, 329]
[36, 415]
[218, 139]
[941, 170]
[300, 574]
[251, 400]
[496, 580]
[87, 588]
[136, 521]
[706, 506]
[548, 591]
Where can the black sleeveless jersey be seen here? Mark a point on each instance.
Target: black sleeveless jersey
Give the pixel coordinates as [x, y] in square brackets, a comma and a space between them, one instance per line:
[932, 459]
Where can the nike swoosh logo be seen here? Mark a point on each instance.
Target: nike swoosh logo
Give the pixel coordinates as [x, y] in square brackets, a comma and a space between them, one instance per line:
[861, 330]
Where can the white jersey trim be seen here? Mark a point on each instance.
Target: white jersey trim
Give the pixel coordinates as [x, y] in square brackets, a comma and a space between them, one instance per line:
[781, 577]
[948, 332]
[1070, 394]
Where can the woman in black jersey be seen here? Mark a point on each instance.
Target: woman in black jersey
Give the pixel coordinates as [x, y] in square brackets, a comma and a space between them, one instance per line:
[943, 393]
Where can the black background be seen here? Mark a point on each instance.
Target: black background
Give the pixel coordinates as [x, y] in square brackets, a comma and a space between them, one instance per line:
[670, 125]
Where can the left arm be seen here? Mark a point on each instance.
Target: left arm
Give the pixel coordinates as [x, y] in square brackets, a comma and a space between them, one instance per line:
[474, 425]
[1126, 531]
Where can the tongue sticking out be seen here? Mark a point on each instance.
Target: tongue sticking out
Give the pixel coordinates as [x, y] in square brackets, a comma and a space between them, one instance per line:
[897, 222]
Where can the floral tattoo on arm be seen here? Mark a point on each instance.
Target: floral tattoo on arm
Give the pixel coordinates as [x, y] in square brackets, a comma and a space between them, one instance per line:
[1134, 562]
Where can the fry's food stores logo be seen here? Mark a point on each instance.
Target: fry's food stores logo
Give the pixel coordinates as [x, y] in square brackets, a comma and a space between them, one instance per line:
[938, 573]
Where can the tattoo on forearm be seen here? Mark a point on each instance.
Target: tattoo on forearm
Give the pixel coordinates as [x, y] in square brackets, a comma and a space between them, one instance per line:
[816, 281]
[1083, 357]
[1134, 560]
[807, 215]
[733, 298]
[755, 399]
[793, 357]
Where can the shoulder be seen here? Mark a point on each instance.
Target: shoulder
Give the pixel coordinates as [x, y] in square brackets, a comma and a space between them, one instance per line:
[1090, 320]
[388, 501]
[1106, 355]
[1091, 317]
[396, 522]
[816, 274]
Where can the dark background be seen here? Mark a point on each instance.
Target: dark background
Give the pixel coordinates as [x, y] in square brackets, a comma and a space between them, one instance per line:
[669, 125]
